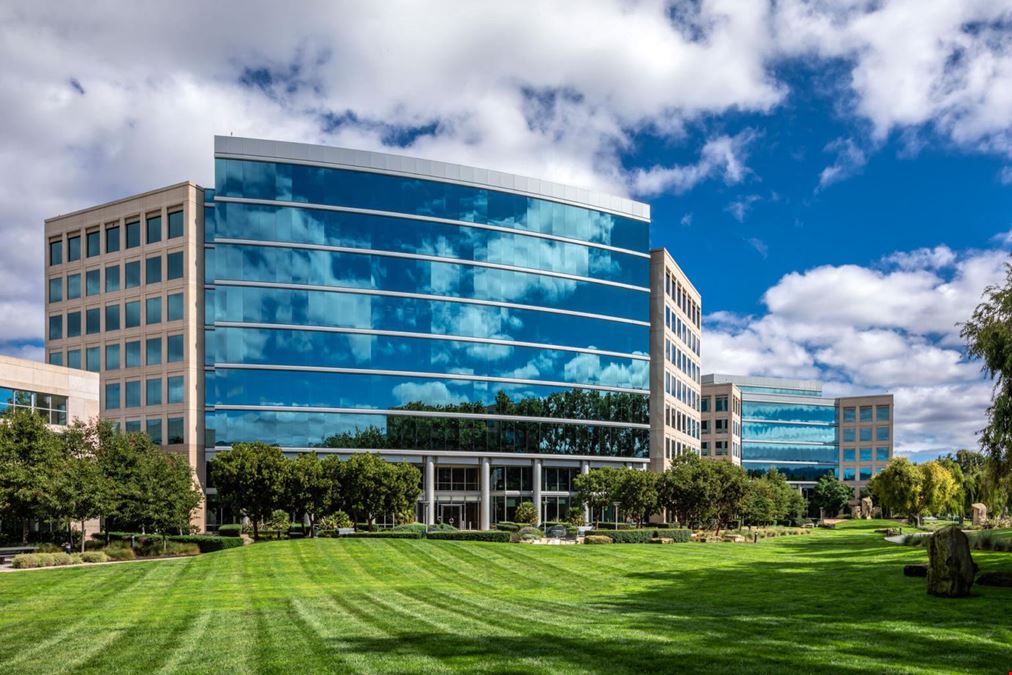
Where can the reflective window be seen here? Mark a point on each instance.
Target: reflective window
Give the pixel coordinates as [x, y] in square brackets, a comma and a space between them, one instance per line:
[153, 351]
[133, 314]
[112, 317]
[881, 454]
[865, 454]
[73, 286]
[882, 413]
[56, 358]
[174, 307]
[755, 451]
[133, 394]
[93, 359]
[175, 430]
[850, 455]
[133, 426]
[704, 404]
[848, 473]
[111, 239]
[56, 289]
[153, 428]
[133, 354]
[154, 391]
[112, 401]
[56, 252]
[865, 434]
[767, 431]
[793, 472]
[175, 389]
[132, 274]
[153, 310]
[133, 234]
[73, 324]
[94, 243]
[111, 278]
[74, 358]
[56, 327]
[882, 434]
[848, 435]
[866, 413]
[850, 414]
[93, 282]
[174, 266]
[112, 357]
[175, 224]
[174, 347]
[154, 228]
[153, 270]
[93, 321]
[789, 412]
[865, 473]
[73, 248]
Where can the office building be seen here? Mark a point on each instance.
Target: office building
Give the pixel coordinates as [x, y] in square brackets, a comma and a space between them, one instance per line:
[61, 395]
[791, 426]
[720, 418]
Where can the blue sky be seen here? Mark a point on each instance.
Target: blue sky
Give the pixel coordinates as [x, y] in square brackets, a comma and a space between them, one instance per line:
[835, 177]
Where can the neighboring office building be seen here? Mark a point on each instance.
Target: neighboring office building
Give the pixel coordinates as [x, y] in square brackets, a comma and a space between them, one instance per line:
[720, 413]
[789, 425]
[675, 318]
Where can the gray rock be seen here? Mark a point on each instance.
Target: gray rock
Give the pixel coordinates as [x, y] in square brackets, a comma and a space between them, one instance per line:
[950, 566]
[979, 514]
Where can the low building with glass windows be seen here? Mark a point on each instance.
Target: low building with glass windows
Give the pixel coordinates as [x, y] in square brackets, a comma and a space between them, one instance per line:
[492, 329]
[60, 395]
[790, 426]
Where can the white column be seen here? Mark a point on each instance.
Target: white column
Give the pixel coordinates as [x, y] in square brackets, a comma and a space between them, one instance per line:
[537, 490]
[585, 468]
[430, 490]
[485, 509]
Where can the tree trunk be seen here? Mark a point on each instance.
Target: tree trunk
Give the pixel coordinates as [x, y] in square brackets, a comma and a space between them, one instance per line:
[70, 535]
[256, 530]
[24, 530]
[82, 536]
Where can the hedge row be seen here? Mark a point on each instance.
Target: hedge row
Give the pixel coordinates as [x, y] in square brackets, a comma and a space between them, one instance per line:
[472, 535]
[643, 536]
[385, 535]
[205, 542]
[232, 530]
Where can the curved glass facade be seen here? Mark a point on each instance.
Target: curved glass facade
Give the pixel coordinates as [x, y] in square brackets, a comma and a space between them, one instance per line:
[454, 317]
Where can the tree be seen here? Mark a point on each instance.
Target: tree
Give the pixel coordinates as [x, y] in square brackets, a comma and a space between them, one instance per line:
[898, 487]
[596, 489]
[309, 488]
[988, 336]
[759, 506]
[403, 485]
[636, 493]
[938, 487]
[170, 492]
[830, 494]
[83, 491]
[31, 459]
[685, 490]
[250, 478]
[527, 513]
[371, 487]
[729, 486]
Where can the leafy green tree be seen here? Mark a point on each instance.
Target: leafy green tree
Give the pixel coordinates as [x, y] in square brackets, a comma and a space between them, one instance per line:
[988, 336]
[280, 522]
[831, 494]
[938, 487]
[31, 459]
[83, 491]
[527, 513]
[575, 515]
[250, 479]
[729, 485]
[898, 487]
[760, 504]
[364, 485]
[596, 489]
[309, 488]
[170, 493]
[403, 485]
[636, 493]
[686, 490]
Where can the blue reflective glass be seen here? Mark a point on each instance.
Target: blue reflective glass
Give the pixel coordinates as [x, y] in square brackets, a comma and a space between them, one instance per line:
[865, 454]
[111, 239]
[153, 428]
[111, 317]
[73, 324]
[56, 327]
[848, 474]
[848, 435]
[313, 226]
[132, 311]
[133, 394]
[780, 390]
[73, 248]
[175, 224]
[174, 266]
[94, 243]
[175, 430]
[93, 359]
[882, 413]
[153, 270]
[882, 434]
[319, 185]
[355, 270]
[93, 321]
[74, 358]
[133, 426]
[56, 289]
[133, 234]
[381, 352]
[132, 274]
[882, 454]
[153, 310]
[112, 357]
[793, 472]
[175, 389]
[174, 347]
[227, 386]
[153, 395]
[341, 430]
[792, 453]
[850, 455]
[174, 307]
[73, 286]
[55, 252]
[768, 431]
[133, 354]
[788, 412]
[153, 351]
[56, 358]
[355, 310]
[112, 401]
[93, 282]
[154, 227]
[865, 473]
[865, 434]
[850, 414]
[111, 278]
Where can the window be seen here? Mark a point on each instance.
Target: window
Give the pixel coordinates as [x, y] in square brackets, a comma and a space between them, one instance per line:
[704, 404]
[153, 310]
[720, 403]
[154, 391]
[882, 413]
[865, 434]
[882, 434]
[848, 435]
[111, 239]
[720, 426]
[112, 278]
[133, 426]
[112, 396]
[704, 427]
[74, 358]
[865, 454]
[866, 413]
[133, 394]
[56, 290]
[111, 317]
[133, 314]
[848, 474]
[175, 348]
[174, 307]
[174, 266]
[73, 324]
[56, 252]
[865, 473]
[93, 321]
[849, 414]
[56, 358]
[93, 282]
[175, 389]
[154, 229]
[133, 354]
[73, 248]
[153, 270]
[94, 243]
[93, 359]
[175, 224]
[56, 327]
[132, 274]
[850, 455]
[112, 357]
[133, 234]
[175, 430]
[154, 429]
[153, 352]
[73, 286]
[881, 454]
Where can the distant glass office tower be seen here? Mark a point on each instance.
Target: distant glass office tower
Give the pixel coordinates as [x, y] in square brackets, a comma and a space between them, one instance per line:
[452, 317]
[790, 426]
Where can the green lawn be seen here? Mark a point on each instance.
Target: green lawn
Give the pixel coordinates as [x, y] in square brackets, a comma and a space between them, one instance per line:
[830, 601]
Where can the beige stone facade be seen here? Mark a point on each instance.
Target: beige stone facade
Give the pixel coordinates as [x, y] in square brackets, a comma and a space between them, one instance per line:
[124, 298]
[865, 435]
[720, 417]
[63, 394]
[675, 329]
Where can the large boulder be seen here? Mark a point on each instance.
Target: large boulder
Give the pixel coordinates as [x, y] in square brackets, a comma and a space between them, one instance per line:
[979, 512]
[866, 507]
[950, 566]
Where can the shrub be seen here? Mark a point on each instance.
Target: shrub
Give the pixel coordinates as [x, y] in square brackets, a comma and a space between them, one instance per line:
[507, 526]
[472, 535]
[208, 543]
[120, 553]
[626, 536]
[526, 534]
[679, 535]
[76, 559]
[48, 548]
[410, 527]
[335, 520]
[233, 530]
[94, 557]
[386, 534]
[442, 527]
[597, 539]
[527, 513]
[613, 526]
[32, 560]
